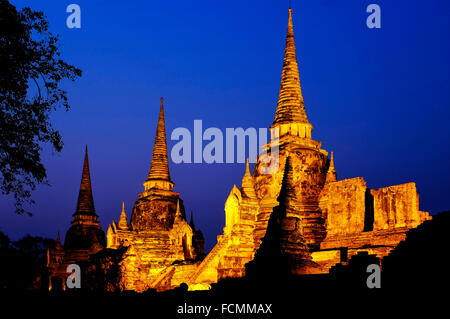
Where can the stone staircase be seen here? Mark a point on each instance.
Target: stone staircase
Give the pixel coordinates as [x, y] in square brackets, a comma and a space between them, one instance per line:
[221, 243]
[163, 274]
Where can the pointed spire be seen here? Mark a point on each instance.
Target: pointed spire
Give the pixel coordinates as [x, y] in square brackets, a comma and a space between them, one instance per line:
[85, 232]
[178, 214]
[291, 107]
[123, 221]
[85, 203]
[248, 185]
[331, 174]
[191, 223]
[247, 170]
[58, 242]
[287, 192]
[332, 161]
[159, 169]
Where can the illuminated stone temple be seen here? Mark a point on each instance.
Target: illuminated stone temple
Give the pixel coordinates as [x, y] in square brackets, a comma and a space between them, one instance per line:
[300, 213]
[334, 218]
[158, 247]
[84, 238]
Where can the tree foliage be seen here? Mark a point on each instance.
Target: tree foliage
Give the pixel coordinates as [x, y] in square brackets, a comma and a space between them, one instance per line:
[23, 263]
[31, 72]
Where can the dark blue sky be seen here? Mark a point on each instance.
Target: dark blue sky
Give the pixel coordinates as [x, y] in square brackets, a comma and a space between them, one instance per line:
[378, 98]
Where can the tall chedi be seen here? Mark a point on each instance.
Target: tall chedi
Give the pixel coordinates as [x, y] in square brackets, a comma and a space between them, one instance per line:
[290, 115]
[291, 132]
[159, 176]
[158, 236]
[84, 238]
[156, 206]
[85, 232]
[249, 208]
[308, 218]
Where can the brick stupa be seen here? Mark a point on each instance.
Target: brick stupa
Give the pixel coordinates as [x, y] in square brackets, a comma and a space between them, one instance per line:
[158, 246]
[84, 238]
[335, 218]
[300, 211]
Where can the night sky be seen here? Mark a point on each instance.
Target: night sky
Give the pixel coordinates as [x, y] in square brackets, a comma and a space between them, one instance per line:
[378, 98]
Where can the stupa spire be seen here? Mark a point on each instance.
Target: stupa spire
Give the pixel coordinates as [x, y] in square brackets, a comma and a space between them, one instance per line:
[291, 107]
[248, 185]
[58, 245]
[331, 174]
[332, 161]
[85, 203]
[85, 232]
[287, 192]
[247, 169]
[123, 221]
[178, 214]
[159, 168]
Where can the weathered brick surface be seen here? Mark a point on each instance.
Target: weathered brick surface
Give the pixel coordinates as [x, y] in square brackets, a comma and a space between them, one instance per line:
[337, 219]
[343, 206]
[317, 222]
[161, 247]
[84, 238]
[397, 206]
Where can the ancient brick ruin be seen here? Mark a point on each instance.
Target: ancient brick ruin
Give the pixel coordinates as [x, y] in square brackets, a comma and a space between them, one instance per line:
[83, 239]
[337, 219]
[316, 220]
[159, 243]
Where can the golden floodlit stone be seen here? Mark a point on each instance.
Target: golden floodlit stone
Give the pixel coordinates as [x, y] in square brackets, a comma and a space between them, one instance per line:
[300, 216]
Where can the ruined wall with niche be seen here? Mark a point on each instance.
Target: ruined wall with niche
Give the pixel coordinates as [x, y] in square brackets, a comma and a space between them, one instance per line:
[343, 206]
[363, 219]
[397, 206]
[351, 208]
